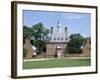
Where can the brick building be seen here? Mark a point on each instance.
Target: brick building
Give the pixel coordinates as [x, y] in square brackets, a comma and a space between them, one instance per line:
[87, 47]
[58, 40]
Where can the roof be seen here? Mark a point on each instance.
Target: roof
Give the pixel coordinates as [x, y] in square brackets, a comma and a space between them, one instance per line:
[58, 34]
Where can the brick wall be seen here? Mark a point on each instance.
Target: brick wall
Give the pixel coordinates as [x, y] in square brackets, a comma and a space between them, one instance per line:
[51, 49]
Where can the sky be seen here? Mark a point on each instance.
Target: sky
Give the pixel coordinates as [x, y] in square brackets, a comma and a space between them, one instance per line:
[75, 22]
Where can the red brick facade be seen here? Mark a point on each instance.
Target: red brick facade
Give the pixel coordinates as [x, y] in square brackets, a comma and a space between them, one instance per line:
[51, 49]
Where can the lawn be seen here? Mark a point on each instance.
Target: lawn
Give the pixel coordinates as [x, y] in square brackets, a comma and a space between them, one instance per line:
[53, 63]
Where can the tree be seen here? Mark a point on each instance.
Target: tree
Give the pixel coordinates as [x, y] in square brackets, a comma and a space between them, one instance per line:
[75, 43]
[27, 33]
[40, 39]
[25, 52]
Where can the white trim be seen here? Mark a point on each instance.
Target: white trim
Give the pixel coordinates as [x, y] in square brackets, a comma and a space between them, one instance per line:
[22, 72]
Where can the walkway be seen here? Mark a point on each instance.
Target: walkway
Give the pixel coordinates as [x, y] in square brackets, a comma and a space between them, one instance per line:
[26, 60]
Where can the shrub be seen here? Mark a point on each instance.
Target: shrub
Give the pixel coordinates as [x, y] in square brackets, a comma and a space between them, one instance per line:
[24, 52]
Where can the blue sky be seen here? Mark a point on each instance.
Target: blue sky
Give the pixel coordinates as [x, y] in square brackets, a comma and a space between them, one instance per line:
[75, 22]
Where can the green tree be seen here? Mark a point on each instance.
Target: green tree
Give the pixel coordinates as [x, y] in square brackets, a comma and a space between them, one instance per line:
[75, 43]
[25, 52]
[40, 39]
[27, 33]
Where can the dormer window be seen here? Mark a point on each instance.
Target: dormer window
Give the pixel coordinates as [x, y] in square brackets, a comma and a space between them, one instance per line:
[55, 38]
[62, 38]
[50, 38]
[58, 38]
[66, 38]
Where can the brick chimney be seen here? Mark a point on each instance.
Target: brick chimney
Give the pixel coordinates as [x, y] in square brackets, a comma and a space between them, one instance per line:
[51, 30]
[66, 30]
[28, 46]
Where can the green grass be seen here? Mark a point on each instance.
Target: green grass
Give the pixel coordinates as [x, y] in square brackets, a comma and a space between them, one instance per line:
[53, 63]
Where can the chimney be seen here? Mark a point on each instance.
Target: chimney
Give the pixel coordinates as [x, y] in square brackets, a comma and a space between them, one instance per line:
[51, 30]
[66, 30]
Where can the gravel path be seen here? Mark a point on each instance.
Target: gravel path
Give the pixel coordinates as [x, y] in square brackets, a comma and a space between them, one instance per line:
[56, 58]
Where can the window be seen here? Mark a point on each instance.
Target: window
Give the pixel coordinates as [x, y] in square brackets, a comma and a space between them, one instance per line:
[89, 41]
[62, 38]
[66, 38]
[50, 38]
[54, 38]
[58, 38]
